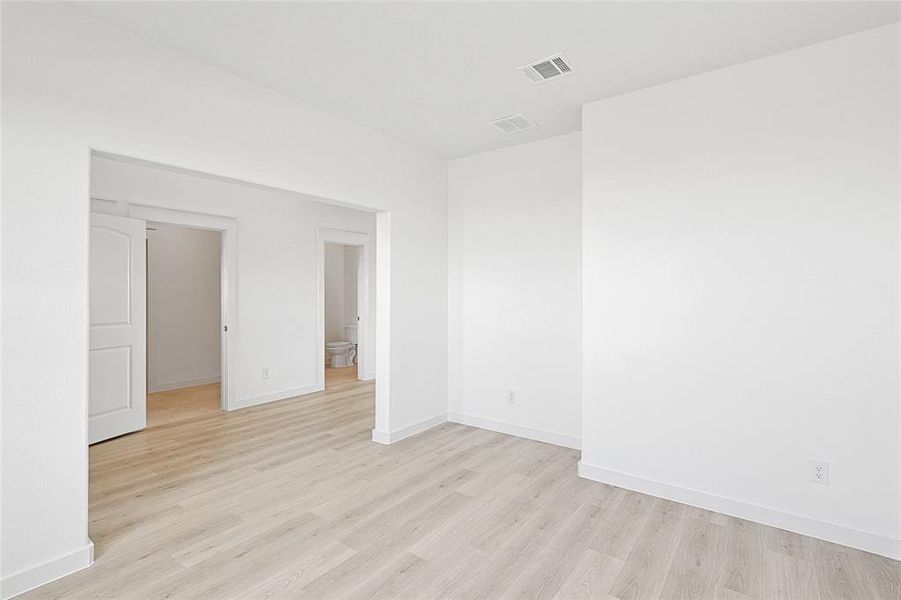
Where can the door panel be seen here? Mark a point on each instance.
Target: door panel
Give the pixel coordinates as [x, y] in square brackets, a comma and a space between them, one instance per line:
[117, 377]
[110, 380]
[110, 275]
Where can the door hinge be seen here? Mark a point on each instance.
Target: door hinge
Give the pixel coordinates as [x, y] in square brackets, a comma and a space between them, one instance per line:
[225, 328]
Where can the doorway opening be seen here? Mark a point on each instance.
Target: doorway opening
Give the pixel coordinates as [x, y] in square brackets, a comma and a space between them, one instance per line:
[341, 318]
[184, 323]
[344, 306]
[161, 292]
[282, 349]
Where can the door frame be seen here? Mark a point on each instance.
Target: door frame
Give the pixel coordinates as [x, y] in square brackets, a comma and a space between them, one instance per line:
[228, 326]
[363, 241]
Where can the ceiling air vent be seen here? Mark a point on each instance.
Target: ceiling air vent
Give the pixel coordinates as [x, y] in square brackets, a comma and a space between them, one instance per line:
[514, 123]
[547, 68]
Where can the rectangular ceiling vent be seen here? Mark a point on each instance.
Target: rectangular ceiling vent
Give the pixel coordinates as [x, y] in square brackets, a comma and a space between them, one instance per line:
[552, 67]
[514, 123]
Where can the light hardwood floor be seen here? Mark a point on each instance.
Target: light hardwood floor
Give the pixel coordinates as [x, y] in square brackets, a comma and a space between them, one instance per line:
[340, 375]
[205, 400]
[292, 499]
[182, 404]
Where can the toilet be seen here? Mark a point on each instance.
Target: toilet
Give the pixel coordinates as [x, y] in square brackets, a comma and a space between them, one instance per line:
[342, 353]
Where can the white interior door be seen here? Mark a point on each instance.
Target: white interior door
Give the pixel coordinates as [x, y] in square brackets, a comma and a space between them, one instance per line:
[117, 375]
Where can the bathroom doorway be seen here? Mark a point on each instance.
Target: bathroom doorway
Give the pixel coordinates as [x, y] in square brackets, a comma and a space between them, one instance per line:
[344, 298]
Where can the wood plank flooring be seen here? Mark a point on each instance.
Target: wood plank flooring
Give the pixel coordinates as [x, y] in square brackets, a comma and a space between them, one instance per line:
[292, 499]
[335, 376]
[182, 404]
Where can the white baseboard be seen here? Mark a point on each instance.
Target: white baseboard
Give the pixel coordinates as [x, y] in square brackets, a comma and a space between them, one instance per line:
[862, 540]
[368, 376]
[389, 437]
[380, 436]
[275, 396]
[28, 579]
[539, 435]
[177, 385]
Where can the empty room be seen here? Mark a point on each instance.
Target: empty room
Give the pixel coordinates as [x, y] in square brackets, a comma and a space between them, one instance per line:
[441, 299]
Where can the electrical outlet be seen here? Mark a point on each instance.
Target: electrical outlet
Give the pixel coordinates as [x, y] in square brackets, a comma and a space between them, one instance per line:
[511, 397]
[819, 472]
[265, 372]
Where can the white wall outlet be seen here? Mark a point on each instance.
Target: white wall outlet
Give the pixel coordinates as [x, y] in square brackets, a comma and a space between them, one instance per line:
[265, 372]
[511, 397]
[819, 472]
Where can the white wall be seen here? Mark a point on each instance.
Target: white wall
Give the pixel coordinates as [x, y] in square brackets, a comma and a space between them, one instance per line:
[334, 292]
[183, 306]
[351, 271]
[741, 271]
[514, 305]
[341, 291]
[277, 303]
[71, 83]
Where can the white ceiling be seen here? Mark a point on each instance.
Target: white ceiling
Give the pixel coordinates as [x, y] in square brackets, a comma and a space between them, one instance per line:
[435, 73]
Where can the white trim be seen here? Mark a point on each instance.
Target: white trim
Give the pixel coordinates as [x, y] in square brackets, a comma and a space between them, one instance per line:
[383, 321]
[390, 437]
[855, 538]
[381, 437]
[539, 435]
[32, 577]
[368, 376]
[216, 177]
[275, 396]
[362, 241]
[342, 236]
[229, 296]
[177, 385]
